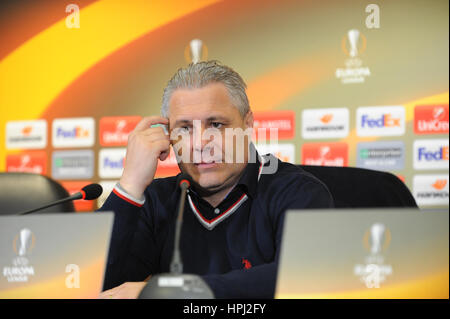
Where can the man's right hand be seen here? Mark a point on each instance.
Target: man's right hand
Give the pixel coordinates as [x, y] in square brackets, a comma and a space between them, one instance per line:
[145, 145]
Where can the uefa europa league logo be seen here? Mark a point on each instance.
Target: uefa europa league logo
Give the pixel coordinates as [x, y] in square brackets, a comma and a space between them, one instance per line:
[354, 44]
[196, 51]
[353, 37]
[373, 272]
[24, 242]
[377, 239]
[377, 233]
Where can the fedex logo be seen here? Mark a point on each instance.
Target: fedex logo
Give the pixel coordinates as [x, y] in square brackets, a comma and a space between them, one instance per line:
[431, 154]
[431, 119]
[76, 132]
[73, 132]
[380, 121]
[440, 154]
[386, 120]
[111, 162]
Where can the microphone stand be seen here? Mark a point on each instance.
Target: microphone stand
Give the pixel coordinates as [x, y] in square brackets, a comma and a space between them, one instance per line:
[67, 199]
[176, 285]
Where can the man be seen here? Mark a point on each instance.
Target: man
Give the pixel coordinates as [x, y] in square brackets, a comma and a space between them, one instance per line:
[233, 218]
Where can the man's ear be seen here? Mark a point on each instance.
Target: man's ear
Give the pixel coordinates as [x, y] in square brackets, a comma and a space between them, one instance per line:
[248, 119]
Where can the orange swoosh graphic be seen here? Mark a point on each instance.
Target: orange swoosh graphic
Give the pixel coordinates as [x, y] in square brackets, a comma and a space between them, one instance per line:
[270, 90]
[326, 118]
[440, 184]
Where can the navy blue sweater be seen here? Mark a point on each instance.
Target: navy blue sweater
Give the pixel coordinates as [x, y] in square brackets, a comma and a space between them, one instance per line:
[234, 247]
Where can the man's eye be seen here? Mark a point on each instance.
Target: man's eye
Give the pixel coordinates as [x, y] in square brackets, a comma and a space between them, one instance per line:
[216, 125]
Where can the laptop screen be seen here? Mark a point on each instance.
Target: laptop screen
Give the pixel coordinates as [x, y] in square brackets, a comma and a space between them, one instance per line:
[364, 253]
[54, 255]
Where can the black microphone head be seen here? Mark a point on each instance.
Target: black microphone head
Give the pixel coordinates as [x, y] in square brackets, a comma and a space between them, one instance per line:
[184, 180]
[91, 191]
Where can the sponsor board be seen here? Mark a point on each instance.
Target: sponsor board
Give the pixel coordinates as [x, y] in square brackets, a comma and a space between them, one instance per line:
[73, 164]
[284, 152]
[266, 123]
[114, 131]
[325, 154]
[431, 119]
[389, 155]
[110, 162]
[26, 134]
[325, 123]
[73, 132]
[430, 154]
[27, 162]
[429, 190]
[380, 121]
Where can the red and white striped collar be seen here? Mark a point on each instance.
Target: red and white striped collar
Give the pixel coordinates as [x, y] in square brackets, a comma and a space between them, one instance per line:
[211, 223]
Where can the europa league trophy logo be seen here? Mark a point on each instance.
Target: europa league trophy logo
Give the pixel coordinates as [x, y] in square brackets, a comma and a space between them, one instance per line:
[376, 240]
[23, 242]
[353, 37]
[196, 51]
[353, 44]
[377, 234]
[374, 271]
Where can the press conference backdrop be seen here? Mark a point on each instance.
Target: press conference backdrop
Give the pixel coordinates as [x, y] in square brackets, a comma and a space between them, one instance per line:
[347, 83]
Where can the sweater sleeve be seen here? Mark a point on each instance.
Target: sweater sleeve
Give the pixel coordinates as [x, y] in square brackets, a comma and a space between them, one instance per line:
[125, 262]
[260, 281]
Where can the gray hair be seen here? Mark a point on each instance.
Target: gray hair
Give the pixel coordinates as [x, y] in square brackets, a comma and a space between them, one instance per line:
[198, 75]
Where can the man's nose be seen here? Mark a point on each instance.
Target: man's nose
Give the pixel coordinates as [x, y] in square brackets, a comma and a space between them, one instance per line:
[200, 139]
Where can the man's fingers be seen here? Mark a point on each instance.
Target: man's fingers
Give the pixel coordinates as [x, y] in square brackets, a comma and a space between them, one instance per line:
[146, 122]
[164, 155]
[154, 130]
[107, 294]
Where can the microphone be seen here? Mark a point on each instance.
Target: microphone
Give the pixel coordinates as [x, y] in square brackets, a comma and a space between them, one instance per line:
[176, 285]
[88, 192]
[176, 265]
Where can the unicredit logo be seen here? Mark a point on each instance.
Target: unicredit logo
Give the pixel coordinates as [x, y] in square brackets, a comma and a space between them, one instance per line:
[386, 120]
[431, 119]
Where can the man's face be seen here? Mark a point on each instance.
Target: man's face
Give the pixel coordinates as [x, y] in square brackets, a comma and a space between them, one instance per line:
[201, 118]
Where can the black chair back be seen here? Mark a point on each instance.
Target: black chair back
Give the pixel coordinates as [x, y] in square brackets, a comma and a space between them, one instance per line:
[353, 187]
[24, 191]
